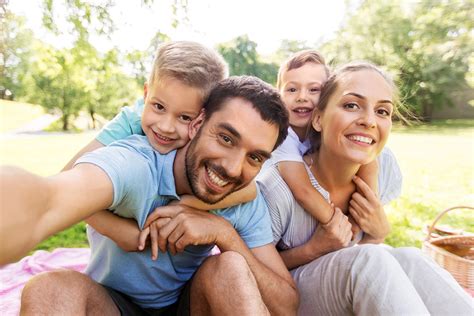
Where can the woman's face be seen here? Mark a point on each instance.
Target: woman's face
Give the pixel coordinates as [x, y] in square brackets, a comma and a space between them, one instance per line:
[358, 117]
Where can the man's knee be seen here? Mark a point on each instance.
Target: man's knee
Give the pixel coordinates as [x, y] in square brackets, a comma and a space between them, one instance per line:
[226, 265]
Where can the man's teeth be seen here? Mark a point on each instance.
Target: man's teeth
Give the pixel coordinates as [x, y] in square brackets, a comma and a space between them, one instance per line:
[215, 179]
[362, 139]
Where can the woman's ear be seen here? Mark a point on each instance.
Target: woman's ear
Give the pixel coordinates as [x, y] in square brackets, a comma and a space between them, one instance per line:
[196, 124]
[316, 123]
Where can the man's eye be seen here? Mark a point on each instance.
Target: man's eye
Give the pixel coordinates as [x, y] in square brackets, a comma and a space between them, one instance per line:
[351, 106]
[256, 158]
[226, 139]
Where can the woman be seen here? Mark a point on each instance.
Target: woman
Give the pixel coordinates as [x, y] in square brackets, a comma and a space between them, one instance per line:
[349, 129]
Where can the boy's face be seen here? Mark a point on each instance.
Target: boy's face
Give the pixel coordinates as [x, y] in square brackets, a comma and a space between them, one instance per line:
[300, 91]
[170, 106]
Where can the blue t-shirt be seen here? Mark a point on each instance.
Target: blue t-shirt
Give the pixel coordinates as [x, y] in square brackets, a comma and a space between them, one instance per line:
[126, 123]
[142, 180]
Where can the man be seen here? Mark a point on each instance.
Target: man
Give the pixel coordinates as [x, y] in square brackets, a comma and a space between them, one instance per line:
[245, 120]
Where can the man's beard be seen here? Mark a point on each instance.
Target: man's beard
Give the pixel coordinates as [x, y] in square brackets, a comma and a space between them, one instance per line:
[192, 173]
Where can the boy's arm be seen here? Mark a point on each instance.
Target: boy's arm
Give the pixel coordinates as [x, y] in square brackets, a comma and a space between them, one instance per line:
[243, 195]
[124, 232]
[295, 175]
[33, 208]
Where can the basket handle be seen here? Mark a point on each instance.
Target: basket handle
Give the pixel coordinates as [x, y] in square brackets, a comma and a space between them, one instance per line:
[431, 228]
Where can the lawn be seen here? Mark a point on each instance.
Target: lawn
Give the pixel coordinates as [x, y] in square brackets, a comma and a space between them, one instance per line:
[436, 161]
[15, 114]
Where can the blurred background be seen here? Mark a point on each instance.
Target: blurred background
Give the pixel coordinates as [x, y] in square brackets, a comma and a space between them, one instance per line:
[68, 66]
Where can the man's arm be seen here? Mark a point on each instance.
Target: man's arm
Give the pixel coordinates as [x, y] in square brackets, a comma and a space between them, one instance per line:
[33, 208]
[183, 226]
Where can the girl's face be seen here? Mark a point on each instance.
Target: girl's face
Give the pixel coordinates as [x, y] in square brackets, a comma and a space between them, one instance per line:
[358, 117]
[300, 90]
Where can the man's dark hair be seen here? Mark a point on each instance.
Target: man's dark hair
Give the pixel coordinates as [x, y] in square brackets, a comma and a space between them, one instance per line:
[264, 98]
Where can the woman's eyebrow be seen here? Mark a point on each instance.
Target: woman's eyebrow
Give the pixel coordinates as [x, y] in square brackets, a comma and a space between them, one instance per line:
[364, 98]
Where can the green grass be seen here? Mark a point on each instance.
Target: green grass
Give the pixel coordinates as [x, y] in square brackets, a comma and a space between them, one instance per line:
[15, 114]
[437, 163]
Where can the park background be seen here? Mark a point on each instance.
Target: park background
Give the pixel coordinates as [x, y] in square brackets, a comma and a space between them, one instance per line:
[68, 66]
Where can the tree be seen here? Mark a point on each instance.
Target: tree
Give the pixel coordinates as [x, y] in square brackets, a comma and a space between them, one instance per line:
[426, 44]
[15, 52]
[243, 59]
[289, 47]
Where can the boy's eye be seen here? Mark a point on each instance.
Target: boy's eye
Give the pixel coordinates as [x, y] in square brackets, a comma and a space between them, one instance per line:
[159, 107]
[186, 118]
[315, 90]
[351, 106]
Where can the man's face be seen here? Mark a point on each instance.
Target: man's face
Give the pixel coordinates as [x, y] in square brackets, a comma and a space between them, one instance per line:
[228, 150]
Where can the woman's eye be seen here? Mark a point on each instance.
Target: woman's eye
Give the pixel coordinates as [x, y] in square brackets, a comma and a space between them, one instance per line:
[351, 106]
[383, 112]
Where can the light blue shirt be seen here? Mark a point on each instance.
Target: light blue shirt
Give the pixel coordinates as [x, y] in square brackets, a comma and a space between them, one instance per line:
[143, 180]
[124, 124]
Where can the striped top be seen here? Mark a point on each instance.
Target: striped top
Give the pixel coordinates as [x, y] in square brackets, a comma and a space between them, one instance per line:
[291, 225]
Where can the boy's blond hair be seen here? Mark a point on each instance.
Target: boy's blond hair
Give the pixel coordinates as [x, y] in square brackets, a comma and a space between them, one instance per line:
[297, 60]
[191, 63]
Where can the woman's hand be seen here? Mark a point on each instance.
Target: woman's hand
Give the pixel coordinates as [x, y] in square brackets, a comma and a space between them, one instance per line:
[368, 212]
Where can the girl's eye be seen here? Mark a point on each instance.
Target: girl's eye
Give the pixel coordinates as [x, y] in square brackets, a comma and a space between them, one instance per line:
[351, 106]
[159, 107]
[186, 118]
[291, 90]
[315, 90]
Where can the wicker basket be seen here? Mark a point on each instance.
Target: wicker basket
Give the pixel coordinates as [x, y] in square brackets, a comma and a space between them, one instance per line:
[459, 260]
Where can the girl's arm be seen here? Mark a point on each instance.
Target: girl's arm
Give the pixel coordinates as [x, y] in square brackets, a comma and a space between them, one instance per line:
[336, 234]
[295, 175]
[124, 232]
[369, 173]
[246, 194]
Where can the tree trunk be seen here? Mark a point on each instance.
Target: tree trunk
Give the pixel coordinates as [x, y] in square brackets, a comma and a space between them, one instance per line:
[65, 120]
[427, 112]
[92, 114]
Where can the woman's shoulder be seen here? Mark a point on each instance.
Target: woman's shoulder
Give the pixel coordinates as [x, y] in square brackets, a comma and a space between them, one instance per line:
[390, 176]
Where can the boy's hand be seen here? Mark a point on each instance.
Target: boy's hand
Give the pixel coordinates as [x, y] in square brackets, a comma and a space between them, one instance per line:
[367, 211]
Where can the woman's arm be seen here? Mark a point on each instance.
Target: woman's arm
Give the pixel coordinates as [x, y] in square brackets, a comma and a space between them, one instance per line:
[327, 238]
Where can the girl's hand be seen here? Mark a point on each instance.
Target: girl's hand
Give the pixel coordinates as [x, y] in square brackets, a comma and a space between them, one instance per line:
[368, 212]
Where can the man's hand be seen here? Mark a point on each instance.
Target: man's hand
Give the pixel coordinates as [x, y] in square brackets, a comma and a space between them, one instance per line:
[368, 212]
[175, 227]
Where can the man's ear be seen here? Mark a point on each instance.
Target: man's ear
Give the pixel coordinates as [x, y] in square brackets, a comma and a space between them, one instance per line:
[145, 90]
[196, 124]
[316, 123]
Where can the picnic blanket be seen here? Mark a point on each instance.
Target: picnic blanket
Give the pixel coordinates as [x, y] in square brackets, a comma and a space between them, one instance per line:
[13, 277]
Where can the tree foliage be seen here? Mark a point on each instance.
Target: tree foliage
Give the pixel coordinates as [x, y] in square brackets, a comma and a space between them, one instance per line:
[243, 59]
[426, 44]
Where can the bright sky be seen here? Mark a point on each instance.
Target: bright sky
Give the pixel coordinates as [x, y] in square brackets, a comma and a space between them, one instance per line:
[266, 22]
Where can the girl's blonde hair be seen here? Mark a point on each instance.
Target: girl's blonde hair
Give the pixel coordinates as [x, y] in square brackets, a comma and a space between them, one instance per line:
[299, 59]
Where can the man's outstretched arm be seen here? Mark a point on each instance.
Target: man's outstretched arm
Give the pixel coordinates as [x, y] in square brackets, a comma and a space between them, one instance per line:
[33, 208]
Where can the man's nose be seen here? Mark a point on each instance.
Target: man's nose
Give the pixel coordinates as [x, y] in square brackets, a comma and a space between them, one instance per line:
[234, 165]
